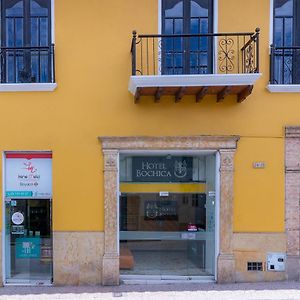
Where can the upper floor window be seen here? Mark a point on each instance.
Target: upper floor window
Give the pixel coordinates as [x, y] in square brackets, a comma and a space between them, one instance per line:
[27, 53]
[187, 55]
[285, 55]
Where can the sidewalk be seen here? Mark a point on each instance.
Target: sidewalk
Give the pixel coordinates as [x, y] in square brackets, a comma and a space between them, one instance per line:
[245, 291]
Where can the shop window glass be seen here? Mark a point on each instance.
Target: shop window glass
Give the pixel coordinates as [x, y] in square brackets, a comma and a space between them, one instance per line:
[167, 215]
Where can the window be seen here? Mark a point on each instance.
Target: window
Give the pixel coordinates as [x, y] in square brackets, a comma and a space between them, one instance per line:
[187, 55]
[27, 53]
[285, 52]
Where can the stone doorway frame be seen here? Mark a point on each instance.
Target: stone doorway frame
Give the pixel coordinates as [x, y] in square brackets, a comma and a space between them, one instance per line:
[111, 147]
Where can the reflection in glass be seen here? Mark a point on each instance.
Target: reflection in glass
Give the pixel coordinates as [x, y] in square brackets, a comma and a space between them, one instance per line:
[167, 233]
[22, 30]
[186, 17]
[28, 240]
[284, 7]
[173, 8]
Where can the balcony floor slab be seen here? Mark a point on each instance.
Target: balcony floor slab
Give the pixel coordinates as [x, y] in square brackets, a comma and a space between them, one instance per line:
[220, 85]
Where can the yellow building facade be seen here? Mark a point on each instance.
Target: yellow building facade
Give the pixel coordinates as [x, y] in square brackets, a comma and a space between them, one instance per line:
[94, 128]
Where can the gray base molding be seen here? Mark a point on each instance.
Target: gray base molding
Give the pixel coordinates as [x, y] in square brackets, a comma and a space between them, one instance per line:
[226, 268]
[110, 267]
[293, 267]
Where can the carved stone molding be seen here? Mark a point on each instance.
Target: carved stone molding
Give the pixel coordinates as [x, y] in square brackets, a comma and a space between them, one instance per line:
[292, 132]
[203, 142]
[110, 263]
[111, 146]
[110, 160]
[227, 157]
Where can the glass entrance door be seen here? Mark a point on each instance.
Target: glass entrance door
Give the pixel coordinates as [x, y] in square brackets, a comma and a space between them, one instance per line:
[165, 235]
[167, 216]
[28, 241]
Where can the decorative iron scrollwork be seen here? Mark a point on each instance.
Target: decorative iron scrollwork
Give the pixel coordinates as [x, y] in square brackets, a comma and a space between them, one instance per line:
[249, 59]
[226, 55]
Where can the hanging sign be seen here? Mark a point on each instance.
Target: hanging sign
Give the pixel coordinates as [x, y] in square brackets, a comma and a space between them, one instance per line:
[28, 175]
[162, 169]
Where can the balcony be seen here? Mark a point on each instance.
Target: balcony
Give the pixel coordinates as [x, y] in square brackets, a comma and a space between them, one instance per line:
[284, 69]
[219, 64]
[29, 67]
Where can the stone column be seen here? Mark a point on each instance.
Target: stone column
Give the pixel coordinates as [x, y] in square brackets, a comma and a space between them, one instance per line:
[110, 265]
[226, 262]
[292, 199]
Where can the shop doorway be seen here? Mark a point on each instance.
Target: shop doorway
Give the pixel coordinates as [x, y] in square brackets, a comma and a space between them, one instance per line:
[28, 241]
[167, 215]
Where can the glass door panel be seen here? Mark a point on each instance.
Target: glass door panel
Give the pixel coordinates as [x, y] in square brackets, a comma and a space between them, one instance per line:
[165, 236]
[167, 215]
[28, 240]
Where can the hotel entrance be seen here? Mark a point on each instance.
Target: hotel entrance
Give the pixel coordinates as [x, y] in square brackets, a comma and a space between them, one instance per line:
[167, 216]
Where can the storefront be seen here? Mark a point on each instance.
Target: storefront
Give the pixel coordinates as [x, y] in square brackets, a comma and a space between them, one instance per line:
[27, 250]
[168, 208]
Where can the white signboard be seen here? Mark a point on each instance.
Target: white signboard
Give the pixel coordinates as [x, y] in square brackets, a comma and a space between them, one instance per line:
[28, 175]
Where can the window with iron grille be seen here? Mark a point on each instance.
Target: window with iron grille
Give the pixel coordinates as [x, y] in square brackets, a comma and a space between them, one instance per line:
[26, 49]
[285, 51]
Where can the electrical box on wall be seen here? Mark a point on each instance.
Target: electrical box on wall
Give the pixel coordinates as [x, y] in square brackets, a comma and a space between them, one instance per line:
[276, 261]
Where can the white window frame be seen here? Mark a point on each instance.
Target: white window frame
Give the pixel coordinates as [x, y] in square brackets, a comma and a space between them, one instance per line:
[278, 88]
[34, 87]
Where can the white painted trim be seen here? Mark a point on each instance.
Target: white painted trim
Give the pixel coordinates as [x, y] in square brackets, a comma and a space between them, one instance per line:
[216, 16]
[27, 87]
[192, 80]
[118, 202]
[215, 30]
[284, 88]
[3, 219]
[217, 212]
[52, 22]
[271, 22]
[159, 28]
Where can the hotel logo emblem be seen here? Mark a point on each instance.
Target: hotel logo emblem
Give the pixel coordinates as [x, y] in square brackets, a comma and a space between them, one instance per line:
[180, 169]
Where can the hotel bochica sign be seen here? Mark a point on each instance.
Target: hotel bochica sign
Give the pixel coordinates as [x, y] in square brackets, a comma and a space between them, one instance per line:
[162, 169]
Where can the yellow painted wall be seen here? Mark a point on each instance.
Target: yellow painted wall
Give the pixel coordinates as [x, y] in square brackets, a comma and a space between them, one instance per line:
[93, 64]
[259, 193]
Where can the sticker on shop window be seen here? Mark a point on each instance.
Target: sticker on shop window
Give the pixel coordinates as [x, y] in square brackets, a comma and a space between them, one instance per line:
[17, 218]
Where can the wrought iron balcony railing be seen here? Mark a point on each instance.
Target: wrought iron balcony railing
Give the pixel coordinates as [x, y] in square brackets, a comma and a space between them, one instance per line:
[27, 64]
[285, 65]
[211, 53]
